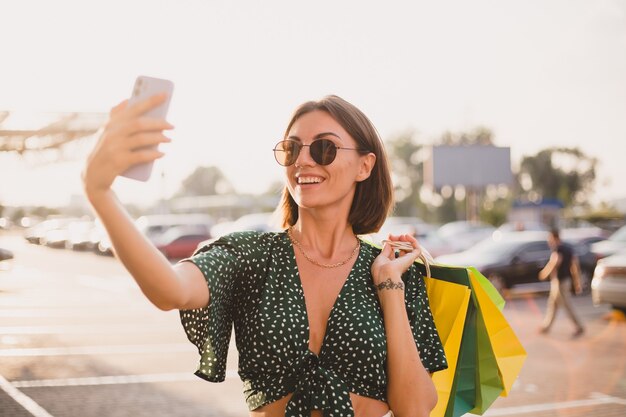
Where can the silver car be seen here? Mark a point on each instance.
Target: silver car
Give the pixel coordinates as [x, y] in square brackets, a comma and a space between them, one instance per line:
[608, 285]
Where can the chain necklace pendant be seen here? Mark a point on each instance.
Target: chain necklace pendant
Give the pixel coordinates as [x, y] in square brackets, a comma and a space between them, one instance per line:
[314, 262]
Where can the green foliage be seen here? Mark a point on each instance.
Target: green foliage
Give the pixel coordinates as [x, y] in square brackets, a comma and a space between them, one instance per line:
[205, 181]
[564, 173]
[495, 212]
[407, 158]
[480, 135]
[408, 174]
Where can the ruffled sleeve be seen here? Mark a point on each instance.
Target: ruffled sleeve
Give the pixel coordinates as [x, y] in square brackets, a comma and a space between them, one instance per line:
[422, 324]
[210, 328]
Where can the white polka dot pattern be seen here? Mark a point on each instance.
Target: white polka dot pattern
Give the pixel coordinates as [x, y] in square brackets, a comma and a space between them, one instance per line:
[254, 284]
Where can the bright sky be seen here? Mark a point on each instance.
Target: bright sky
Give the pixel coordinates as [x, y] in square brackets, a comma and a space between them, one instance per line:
[539, 73]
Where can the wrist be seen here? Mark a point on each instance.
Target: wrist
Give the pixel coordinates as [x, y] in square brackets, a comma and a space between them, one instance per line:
[96, 194]
[390, 291]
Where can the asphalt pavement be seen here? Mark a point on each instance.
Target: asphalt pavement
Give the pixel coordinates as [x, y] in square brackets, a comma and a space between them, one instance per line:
[77, 338]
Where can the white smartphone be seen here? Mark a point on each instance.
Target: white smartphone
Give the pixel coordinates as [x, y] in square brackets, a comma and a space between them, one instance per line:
[144, 88]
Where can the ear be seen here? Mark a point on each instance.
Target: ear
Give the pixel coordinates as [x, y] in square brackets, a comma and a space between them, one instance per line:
[367, 163]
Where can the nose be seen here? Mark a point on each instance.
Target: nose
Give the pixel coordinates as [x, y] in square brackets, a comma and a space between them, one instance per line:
[304, 157]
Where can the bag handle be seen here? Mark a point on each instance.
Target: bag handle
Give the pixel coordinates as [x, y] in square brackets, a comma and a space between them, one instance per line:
[424, 255]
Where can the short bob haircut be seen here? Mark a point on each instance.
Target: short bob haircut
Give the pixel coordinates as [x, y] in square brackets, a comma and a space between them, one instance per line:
[373, 198]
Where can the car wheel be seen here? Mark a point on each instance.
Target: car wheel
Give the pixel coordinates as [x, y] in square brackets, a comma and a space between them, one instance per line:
[498, 282]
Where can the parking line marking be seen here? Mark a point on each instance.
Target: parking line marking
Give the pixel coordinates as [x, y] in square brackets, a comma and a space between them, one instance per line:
[115, 380]
[88, 329]
[73, 313]
[97, 350]
[596, 399]
[22, 399]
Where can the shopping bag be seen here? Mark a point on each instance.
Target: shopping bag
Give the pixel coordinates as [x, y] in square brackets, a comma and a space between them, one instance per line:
[488, 358]
[449, 302]
[456, 386]
[488, 377]
[507, 349]
[464, 389]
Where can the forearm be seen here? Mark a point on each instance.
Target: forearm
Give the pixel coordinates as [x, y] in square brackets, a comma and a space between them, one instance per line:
[152, 271]
[550, 267]
[410, 390]
[575, 272]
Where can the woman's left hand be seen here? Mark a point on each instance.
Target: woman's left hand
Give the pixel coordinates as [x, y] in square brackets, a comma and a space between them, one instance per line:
[388, 266]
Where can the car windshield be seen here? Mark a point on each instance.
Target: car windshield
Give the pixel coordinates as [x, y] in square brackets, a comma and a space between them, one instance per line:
[491, 249]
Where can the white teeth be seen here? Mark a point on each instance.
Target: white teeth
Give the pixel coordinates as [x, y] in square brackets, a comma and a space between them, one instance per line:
[309, 180]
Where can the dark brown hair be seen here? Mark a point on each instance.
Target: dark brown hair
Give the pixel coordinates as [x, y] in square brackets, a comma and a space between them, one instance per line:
[555, 233]
[373, 198]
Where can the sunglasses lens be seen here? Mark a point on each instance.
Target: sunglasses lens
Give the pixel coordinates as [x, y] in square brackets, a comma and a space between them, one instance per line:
[286, 152]
[323, 151]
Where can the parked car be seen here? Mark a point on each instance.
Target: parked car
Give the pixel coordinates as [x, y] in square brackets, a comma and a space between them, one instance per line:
[523, 226]
[462, 235]
[5, 255]
[510, 259]
[79, 235]
[37, 233]
[615, 243]
[5, 259]
[397, 225]
[153, 226]
[180, 242]
[608, 285]
[260, 222]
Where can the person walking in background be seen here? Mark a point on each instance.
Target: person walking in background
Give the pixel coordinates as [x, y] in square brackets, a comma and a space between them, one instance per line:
[563, 270]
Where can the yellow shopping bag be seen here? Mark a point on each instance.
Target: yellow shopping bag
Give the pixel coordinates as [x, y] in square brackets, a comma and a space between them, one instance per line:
[448, 302]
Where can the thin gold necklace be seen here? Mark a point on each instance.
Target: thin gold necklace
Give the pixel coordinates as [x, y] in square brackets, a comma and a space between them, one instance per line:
[313, 261]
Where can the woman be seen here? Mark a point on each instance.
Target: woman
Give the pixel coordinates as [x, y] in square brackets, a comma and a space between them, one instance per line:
[325, 324]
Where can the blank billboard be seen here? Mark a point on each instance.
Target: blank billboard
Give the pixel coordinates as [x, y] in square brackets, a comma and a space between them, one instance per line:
[473, 166]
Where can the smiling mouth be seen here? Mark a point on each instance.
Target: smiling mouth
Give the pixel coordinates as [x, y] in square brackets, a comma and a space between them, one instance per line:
[309, 180]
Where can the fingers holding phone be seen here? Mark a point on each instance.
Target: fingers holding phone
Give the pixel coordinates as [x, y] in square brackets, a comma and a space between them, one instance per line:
[148, 107]
[128, 143]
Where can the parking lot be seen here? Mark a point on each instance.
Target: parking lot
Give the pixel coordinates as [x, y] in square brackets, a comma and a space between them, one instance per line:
[77, 338]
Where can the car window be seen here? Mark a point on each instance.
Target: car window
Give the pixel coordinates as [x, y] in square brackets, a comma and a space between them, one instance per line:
[534, 252]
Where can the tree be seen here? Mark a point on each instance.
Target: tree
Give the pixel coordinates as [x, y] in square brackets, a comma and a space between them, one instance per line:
[205, 181]
[407, 166]
[563, 173]
[407, 158]
[480, 135]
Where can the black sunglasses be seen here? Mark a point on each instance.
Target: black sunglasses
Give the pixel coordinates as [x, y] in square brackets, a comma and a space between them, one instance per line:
[323, 151]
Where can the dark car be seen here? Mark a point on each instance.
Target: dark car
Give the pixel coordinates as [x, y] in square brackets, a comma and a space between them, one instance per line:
[508, 259]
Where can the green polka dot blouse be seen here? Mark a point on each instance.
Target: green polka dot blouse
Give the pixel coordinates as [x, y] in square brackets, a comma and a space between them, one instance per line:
[254, 285]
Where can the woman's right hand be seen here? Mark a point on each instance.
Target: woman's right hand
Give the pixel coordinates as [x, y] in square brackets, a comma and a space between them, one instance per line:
[128, 138]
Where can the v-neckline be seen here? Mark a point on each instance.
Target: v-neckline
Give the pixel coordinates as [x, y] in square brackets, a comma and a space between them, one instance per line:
[302, 300]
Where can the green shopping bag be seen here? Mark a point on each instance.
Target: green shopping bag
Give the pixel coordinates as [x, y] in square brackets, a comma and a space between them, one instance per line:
[464, 387]
[482, 367]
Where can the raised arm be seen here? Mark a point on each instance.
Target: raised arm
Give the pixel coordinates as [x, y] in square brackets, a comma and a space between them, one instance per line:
[123, 143]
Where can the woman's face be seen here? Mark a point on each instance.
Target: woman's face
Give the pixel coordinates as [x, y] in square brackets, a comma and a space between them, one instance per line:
[315, 186]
